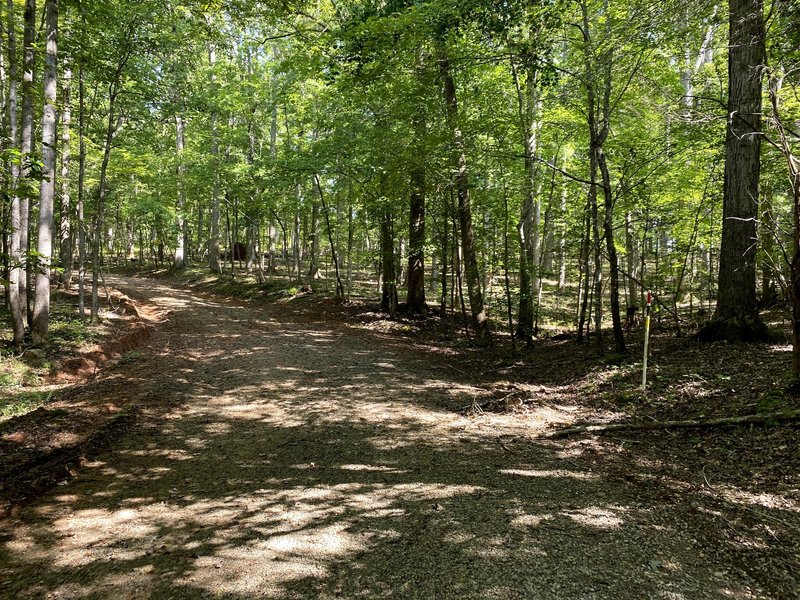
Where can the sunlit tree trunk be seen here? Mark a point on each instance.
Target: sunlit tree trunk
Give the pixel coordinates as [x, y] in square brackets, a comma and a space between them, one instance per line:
[81, 184]
[29, 65]
[350, 240]
[313, 269]
[213, 244]
[631, 259]
[562, 240]
[16, 273]
[180, 217]
[65, 226]
[41, 309]
[528, 104]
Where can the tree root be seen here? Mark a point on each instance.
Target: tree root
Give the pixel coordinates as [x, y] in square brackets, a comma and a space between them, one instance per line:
[686, 424]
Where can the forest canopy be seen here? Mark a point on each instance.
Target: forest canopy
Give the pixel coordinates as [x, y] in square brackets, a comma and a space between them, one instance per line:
[536, 166]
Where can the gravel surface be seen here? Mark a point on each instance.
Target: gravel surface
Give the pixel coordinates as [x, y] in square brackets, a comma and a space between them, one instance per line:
[281, 454]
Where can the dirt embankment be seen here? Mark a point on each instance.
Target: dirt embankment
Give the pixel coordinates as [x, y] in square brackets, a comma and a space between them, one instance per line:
[45, 447]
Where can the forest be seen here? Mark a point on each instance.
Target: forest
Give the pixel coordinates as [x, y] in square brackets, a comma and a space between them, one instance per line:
[453, 233]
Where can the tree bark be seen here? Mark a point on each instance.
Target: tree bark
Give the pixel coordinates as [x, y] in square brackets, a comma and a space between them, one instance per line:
[389, 286]
[736, 316]
[16, 271]
[65, 226]
[47, 194]
[334, 254]
[97, 248]
[81, 181]
[180, 217]
[528, 228]
[562, 238]
[613, 261]
[480, 322]
[313, 269]
[29, 65]
[583, 279]
[213, 244]
[769, 293]
[416, 234]
[630, 258]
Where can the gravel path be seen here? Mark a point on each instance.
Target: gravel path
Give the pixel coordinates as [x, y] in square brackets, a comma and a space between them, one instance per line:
[282, 455]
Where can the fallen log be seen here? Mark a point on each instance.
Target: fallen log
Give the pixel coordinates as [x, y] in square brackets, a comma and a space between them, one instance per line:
[686, 424]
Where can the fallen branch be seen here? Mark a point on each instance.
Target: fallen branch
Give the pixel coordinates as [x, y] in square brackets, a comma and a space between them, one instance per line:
[687, 424]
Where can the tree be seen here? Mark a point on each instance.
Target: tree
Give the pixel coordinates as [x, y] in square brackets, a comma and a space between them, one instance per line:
[41, 309]
[480, 322]
[17, 274]
[26, 151]
[783, 115]
[65, 227]
[736, 317]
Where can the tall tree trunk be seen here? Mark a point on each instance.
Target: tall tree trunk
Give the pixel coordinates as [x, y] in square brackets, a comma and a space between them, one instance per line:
[630, 260]
[528, 229]
[29, 66]
[599, 122]
[65, 227]
[350, 237]
[445, 253]
[416, 223]
[736, 316]
[613, 261]
[81, 185]
[769, 293]
[334, 254]
[99, 224]
[5, 210]
[548, 242]
[583, 279]
[562, 238]
[16, 271]
[180, 217]
[200, 232]
[213, 244]
[41, 309]
[480, 322]
[296, 243]
[597, 273]
[313, 269]
[389, 287]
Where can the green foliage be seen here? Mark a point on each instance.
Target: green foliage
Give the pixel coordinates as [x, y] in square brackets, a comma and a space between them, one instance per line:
[351, 92]
[22, 402]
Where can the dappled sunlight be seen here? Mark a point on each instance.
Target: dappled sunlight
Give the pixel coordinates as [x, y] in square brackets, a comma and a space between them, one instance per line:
[745, 498]
[782, 348]
[602, 518]
[551, 473]
[286, 462]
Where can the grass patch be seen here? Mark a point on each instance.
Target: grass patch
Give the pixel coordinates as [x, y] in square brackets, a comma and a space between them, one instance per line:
[22, 402]
[73, 332]
[130, 357]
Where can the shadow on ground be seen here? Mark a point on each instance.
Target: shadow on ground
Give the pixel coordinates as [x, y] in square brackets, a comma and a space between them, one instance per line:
[277, 460]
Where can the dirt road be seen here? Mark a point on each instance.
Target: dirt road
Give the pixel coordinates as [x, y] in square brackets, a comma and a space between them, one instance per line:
[284, 457]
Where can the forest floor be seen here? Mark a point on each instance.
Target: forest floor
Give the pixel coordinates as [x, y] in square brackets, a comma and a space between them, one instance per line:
[309, 449]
